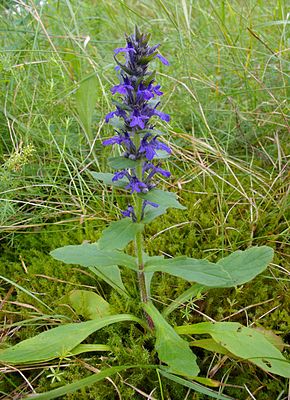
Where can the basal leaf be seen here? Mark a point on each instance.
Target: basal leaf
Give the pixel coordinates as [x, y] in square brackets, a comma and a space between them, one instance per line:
[86, 348]
[236, 269]
[89, 255]
[211, 345]
[119, 233]
[57, 342]
[243, 342]
[171, 348]
[89, 304]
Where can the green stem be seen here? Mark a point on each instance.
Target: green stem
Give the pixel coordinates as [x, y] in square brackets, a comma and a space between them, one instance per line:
[139, 239]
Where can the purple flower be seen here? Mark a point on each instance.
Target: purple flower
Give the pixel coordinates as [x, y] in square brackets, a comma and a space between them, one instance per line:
[112, 140]
[153, 48]
[162, 59]
[136, 186]
[110, 115]
[119, 140]
[163, 116]
[118, 113]
[162, 172]
[138, 119]
[147, 93]
[157, 91]
[147, 203]
[129, 212]
[122, 89]
[154, 169]
[150, 203]
[124, 49]
[120, 175]
[144, 92]
[149, 148]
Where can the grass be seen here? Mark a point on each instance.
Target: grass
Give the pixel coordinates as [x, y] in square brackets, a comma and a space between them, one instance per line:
[226, 91]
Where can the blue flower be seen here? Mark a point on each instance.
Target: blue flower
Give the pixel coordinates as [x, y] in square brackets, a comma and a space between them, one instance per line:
[144, 92]
[121, 174]
[136, 186]
[119, 139]
[122, 89]
[157, 91]
[147, 203]
[112, 140]
[155, 169]
[149, 148]
[163, 116]
[129, 212]
[118, 113]
[138, 119]
[162, 59]
[127, 49]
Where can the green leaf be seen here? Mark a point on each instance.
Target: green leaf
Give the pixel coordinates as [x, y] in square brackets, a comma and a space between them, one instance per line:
[57, 342]
[151, 213]
[211, 345]
[121, 162]
[243, 342]
[89, 255]
[107, 177]
[236, 269]
[243, 266]
[119, 233]
[86, 98]
[171, 349]
[164, 199]
[112, 276]
[89, 304]
[86, 348]
[195, 386]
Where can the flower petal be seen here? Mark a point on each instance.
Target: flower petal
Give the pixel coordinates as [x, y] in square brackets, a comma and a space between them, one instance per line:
[162, 59]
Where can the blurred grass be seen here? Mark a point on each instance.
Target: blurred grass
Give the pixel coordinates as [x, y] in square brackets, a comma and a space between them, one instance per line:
[226, 90]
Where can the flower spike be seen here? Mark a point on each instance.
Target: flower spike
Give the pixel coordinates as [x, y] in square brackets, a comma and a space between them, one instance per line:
[138, 95]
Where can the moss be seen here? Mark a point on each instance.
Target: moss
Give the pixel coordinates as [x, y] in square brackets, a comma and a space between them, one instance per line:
[203, 233]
